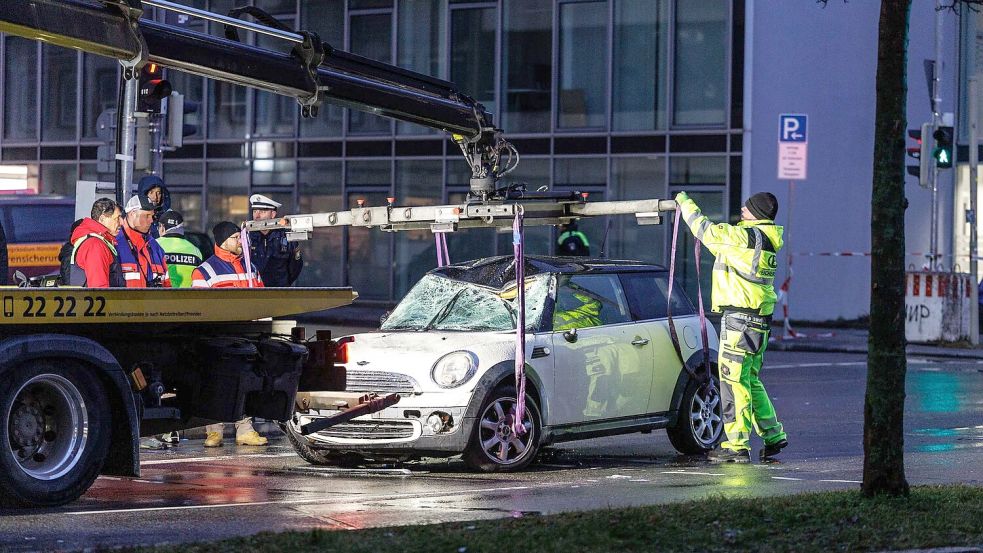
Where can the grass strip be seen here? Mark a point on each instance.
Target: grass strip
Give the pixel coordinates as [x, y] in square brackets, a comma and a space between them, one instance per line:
[829, 521]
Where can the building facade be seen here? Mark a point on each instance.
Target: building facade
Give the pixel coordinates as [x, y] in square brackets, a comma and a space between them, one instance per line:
[622, 99]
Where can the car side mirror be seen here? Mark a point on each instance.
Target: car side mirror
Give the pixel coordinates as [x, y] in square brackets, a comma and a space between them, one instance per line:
[570, 335]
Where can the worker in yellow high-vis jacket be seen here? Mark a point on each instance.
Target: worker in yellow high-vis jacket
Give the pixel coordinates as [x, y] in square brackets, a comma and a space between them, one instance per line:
[743, 290]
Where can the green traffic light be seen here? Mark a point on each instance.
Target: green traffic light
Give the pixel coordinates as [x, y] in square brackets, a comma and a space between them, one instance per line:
[943, 158]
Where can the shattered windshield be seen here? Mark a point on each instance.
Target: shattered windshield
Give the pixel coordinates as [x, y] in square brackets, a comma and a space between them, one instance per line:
[439, 303]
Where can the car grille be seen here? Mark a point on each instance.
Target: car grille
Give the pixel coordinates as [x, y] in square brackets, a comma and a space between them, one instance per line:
[370, 430]
[380, 381]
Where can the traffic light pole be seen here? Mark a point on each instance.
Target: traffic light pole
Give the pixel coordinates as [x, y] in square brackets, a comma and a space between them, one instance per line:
[974, 155]
[937, 121]
[125, 133]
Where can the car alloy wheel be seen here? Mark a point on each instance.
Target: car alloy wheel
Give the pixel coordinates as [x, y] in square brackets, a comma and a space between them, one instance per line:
[705, 419]
[499, 442]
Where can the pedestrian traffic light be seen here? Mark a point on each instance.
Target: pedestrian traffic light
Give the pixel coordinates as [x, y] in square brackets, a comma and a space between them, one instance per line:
[943, 147]
[182, 120]
[153, 88]
[922, 152]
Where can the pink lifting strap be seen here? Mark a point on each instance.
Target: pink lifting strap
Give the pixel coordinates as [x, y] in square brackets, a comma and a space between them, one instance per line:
[520, 326]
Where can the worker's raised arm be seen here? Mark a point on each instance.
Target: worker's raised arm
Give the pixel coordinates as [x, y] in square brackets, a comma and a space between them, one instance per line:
[713, 235]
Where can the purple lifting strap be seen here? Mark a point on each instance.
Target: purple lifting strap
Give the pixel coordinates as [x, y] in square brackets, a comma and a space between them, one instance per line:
[520, 327]
[699, 296]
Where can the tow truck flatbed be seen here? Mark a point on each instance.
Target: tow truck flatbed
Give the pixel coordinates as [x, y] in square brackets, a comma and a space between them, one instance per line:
[47, 306]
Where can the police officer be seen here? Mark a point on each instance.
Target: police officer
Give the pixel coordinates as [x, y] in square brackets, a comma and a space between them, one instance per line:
[279, 261]
[572, 242]
[743, 289]
[182, 256]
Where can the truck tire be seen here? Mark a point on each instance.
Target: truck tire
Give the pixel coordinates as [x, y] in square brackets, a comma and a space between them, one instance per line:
[55, 428]
[699, 424]
[313, 455]
[493, 447]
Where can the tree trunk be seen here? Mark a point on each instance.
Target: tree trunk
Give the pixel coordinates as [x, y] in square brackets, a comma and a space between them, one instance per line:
[886, 363]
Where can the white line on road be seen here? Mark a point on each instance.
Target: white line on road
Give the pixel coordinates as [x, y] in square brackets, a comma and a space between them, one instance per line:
[337, 499]
[843, 481]
[786, 478]
[690, 472]
[213, 458]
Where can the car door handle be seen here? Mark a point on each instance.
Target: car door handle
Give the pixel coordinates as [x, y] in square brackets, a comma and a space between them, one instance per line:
[639, 341]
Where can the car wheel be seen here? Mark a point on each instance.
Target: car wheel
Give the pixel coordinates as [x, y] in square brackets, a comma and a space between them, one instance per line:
[699, 424]
[55, 430]
[313, 455]
[493, 446]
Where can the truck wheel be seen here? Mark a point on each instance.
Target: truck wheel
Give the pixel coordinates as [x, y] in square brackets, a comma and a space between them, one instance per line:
[55, 429]
[313, 455]
[493, 446]
[699, 423]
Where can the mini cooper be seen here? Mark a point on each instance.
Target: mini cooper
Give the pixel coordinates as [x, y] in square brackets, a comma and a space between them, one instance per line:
[599, 361]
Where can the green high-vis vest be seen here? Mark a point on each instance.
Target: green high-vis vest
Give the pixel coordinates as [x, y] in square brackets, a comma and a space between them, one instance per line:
[746, 259]
[182, 257]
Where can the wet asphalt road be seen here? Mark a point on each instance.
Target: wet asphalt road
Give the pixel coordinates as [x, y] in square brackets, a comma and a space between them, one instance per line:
[189, 494]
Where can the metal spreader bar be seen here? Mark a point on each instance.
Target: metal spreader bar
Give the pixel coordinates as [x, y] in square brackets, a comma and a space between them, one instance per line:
[477, 214]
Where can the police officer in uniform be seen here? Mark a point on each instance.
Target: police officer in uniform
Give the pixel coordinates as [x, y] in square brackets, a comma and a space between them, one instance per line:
[743, 290]
[182, 256]
[279, 261]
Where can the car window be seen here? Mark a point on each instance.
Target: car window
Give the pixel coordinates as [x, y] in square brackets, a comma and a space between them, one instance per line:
[440, 303]
[584, 301]
[39, 223]
[647, 294]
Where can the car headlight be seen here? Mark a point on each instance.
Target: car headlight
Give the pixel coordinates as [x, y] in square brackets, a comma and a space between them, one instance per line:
[454, 369]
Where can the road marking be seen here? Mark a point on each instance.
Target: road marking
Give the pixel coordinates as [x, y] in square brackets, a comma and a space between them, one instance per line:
[843, 481]
[323, 499]
[214, 458]
[786, 478]
[696, 473]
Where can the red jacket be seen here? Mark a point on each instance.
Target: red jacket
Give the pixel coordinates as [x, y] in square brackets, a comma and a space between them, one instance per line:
[94, 255]
[142, 259]
[225, 270]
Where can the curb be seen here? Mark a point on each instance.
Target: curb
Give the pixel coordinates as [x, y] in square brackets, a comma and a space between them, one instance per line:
[915, 350]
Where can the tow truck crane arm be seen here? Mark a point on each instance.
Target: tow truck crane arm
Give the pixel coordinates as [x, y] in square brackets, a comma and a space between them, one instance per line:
[313, 71]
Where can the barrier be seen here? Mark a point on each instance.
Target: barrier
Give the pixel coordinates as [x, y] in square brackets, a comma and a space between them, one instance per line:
[937, 306]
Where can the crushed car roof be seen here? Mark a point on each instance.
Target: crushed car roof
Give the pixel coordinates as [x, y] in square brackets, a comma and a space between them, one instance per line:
[499, 272]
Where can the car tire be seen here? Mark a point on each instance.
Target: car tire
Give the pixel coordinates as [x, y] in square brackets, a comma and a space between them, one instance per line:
[312, 455]
[699, 423]
[486, 451]
[55, 428]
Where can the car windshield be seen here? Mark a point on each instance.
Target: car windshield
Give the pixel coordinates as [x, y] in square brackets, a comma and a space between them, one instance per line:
[440, 303]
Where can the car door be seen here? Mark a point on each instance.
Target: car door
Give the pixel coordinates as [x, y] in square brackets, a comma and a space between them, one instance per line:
[603, 365]
[646, 293]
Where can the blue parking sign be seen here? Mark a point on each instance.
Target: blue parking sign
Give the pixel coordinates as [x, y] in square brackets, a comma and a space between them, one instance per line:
[792, 127]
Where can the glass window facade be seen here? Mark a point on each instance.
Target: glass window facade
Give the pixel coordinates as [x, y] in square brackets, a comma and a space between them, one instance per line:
[527, 65]
[621, 99]
[582, 94]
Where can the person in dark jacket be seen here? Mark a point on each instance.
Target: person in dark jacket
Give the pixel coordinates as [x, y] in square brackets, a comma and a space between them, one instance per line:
[279, 261]
[152, 187]
[94, 260]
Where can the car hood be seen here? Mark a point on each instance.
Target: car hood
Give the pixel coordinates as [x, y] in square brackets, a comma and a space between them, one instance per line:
[414, 353]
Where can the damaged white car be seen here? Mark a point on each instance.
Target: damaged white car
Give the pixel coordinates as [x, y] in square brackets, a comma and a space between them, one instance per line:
[599, 356]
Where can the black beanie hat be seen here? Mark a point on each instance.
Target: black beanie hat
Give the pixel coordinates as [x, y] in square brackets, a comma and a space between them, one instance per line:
[763, 205]
[223, 231]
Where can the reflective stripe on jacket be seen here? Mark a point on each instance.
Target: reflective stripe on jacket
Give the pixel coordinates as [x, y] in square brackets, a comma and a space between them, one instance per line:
[225, 270]
[142, 259]
[746, 259]
[182, 257]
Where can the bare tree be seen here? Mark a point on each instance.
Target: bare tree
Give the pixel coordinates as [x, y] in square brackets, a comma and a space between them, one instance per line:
[886, 361]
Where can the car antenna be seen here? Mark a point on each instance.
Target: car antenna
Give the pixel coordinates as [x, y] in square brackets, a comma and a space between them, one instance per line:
[604, 241]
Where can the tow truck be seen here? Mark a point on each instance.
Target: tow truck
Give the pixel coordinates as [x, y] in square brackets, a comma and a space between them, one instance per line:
[85, 372]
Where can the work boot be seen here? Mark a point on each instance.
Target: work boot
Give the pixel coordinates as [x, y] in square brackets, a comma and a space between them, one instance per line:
[770, 450]
[251, 438]
[724, 455]
[213, 439]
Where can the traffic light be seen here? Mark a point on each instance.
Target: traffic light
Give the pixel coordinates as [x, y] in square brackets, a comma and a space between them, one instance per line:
[182, 120]
[153, 88]
[942, 153]
[922, 152]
